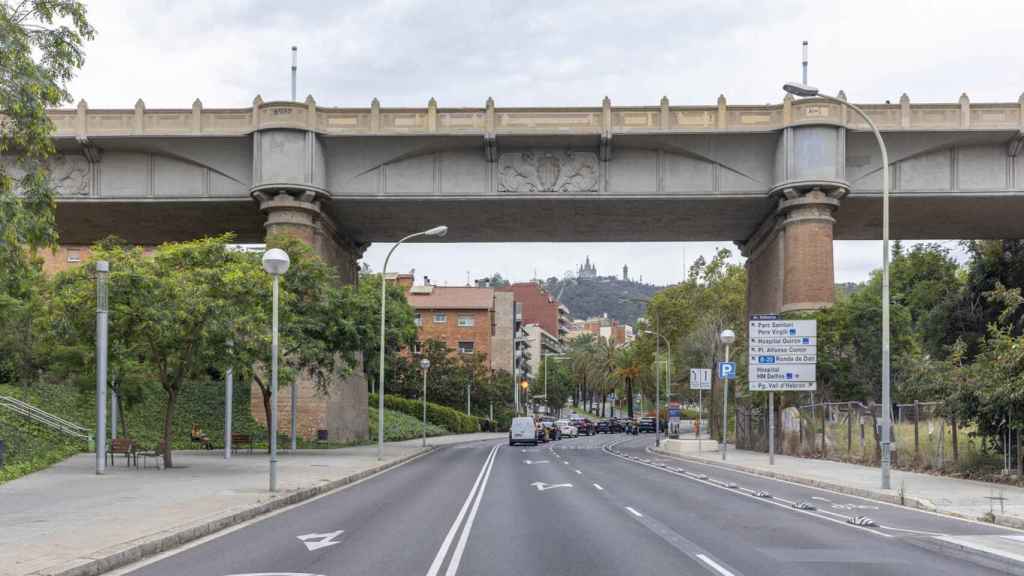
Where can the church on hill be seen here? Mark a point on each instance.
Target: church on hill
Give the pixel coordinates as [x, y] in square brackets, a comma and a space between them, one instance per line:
[587, 271]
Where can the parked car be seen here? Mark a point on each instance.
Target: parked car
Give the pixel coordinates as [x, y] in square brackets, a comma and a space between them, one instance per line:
[522, 431]
[567, 429]
[616, 425]
[646, 424]
[602, 427]
[583, 426]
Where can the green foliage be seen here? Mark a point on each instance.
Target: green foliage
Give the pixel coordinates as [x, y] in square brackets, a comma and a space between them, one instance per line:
[452, 420]
[588, 298]
[400, 426]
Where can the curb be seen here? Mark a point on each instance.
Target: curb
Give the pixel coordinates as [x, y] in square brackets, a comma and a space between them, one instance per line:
[897, 499]
[134, 553]
[980, 557]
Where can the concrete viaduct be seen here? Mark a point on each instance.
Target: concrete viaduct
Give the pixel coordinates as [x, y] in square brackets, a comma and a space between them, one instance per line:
[781, 180]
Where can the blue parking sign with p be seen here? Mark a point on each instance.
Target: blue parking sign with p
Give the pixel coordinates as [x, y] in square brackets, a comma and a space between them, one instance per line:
[727, 370]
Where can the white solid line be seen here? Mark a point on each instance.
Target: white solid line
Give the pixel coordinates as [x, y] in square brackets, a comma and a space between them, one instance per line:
[598, 486]
[453, 564]
[718, 567]
[635, 513]
[442, 552]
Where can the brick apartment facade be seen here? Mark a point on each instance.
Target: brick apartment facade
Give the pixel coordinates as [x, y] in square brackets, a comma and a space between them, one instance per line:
[541, 308]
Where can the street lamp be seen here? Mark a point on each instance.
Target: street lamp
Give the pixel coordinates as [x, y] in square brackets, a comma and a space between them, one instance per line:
[668, 389]
[438, 232]
[102, 272]
[803, 90]
[275, 263]
[425, 366]
[727, 337]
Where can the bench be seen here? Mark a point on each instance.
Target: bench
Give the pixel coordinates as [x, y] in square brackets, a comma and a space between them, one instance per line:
[239, 440]
[157, 453]
[125, 446]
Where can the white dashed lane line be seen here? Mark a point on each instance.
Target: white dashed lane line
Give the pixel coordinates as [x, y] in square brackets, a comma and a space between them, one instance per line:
[634, 512]
[598, 486]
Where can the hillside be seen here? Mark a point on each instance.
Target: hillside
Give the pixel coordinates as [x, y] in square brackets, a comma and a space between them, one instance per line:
[588, 297]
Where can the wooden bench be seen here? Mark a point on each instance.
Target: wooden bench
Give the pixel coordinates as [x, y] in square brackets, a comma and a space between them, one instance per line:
[238, 440]
[157, 453]
[125, 446]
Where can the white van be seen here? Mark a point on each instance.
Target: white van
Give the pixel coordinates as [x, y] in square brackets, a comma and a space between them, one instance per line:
[522, 430]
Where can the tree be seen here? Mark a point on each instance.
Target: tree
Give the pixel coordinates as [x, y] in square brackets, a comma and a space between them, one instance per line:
[627, 371]
[40, 50]
[400, 329]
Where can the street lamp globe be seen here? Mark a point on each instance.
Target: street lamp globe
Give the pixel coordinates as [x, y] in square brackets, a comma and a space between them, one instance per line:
[727, 337]
[798, 89]
[276, 261]
[424, 364]
[438, 231]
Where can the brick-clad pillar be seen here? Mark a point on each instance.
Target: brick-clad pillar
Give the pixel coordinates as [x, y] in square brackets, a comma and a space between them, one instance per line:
[808, 276]
[343, 411]
[789, 258]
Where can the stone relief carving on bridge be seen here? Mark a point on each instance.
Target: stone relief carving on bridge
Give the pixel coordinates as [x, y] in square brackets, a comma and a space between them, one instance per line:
[548, 171]
[69, 175]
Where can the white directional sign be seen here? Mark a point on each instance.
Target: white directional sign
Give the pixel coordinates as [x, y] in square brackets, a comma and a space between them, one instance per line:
[542, 486]
[783, 354]
[700, 378]
[315, 541]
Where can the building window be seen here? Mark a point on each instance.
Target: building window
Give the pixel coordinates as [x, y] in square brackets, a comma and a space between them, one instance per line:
[466, 347]
[417, 347]
[440, 318]
[419, 319]
[465, 320]
[74, 255]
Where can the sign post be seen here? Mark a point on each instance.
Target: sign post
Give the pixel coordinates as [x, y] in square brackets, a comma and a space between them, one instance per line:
[700, 380]
[783, 356]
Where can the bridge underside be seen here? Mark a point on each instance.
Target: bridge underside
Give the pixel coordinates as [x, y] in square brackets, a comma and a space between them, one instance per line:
[858, 217]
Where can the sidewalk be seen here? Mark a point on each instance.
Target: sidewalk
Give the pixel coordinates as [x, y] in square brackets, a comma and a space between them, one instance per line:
[964, 498]
[66, 520]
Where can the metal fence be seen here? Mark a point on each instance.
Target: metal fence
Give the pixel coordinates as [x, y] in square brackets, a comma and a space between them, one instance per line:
[922, 437]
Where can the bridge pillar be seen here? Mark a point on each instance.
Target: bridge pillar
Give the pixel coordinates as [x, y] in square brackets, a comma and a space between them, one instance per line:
[343, 412]
[789, 259]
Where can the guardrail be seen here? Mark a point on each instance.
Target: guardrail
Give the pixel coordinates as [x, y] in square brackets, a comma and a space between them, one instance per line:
[43, 417]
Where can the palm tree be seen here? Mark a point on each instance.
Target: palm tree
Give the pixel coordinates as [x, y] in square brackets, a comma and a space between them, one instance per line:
[627, 370]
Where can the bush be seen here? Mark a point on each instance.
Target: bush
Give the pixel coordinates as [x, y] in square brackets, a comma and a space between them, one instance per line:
[449, 418]
[399, 426]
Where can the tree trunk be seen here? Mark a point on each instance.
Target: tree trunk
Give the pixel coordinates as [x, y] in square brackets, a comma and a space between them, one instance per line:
[265, 393]
[172, 398]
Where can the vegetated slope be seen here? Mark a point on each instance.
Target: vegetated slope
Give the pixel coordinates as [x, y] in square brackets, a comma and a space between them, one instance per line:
[588, 298]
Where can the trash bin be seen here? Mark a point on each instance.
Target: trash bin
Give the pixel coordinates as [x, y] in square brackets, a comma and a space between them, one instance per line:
[321, 435]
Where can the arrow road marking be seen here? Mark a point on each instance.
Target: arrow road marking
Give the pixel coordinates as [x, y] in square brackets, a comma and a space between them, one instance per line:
[542, 486]
[317, 541]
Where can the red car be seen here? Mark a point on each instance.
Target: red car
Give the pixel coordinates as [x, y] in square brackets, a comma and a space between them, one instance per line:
[583, 426]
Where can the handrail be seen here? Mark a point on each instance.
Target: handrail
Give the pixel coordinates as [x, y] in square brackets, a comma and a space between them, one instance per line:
[43, 417]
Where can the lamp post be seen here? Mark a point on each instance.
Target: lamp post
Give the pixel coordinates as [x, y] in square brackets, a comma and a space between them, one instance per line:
[727, 337]
[438, 232]
[275, 263]
[668, 388]
[425, 366]
[102, 271]
[803, 90]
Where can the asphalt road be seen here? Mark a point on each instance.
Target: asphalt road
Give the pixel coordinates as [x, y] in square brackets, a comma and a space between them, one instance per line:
[590, 506]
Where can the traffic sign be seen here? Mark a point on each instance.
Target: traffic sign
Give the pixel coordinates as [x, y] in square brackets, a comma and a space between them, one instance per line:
[700, 379]
[727, 370]
[782, 354]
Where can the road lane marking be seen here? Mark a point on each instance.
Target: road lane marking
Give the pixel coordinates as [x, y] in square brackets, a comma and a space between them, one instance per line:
[715, 565]
[634, 512]
[578, 472]
[542, 486]
[317, 541]
[535, 461]
[598, 486]
[442, 552]
[453, 565]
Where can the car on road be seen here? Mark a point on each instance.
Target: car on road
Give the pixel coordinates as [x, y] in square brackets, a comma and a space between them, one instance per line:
[616, 425]
[583, 426]
[602, 427]
[522, 431]
[567, 429]
[646, 424]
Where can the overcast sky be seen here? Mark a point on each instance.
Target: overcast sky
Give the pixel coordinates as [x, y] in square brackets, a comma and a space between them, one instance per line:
[550, 53]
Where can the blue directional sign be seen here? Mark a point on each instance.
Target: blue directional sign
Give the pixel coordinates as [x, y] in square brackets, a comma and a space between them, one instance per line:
[727, 370]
